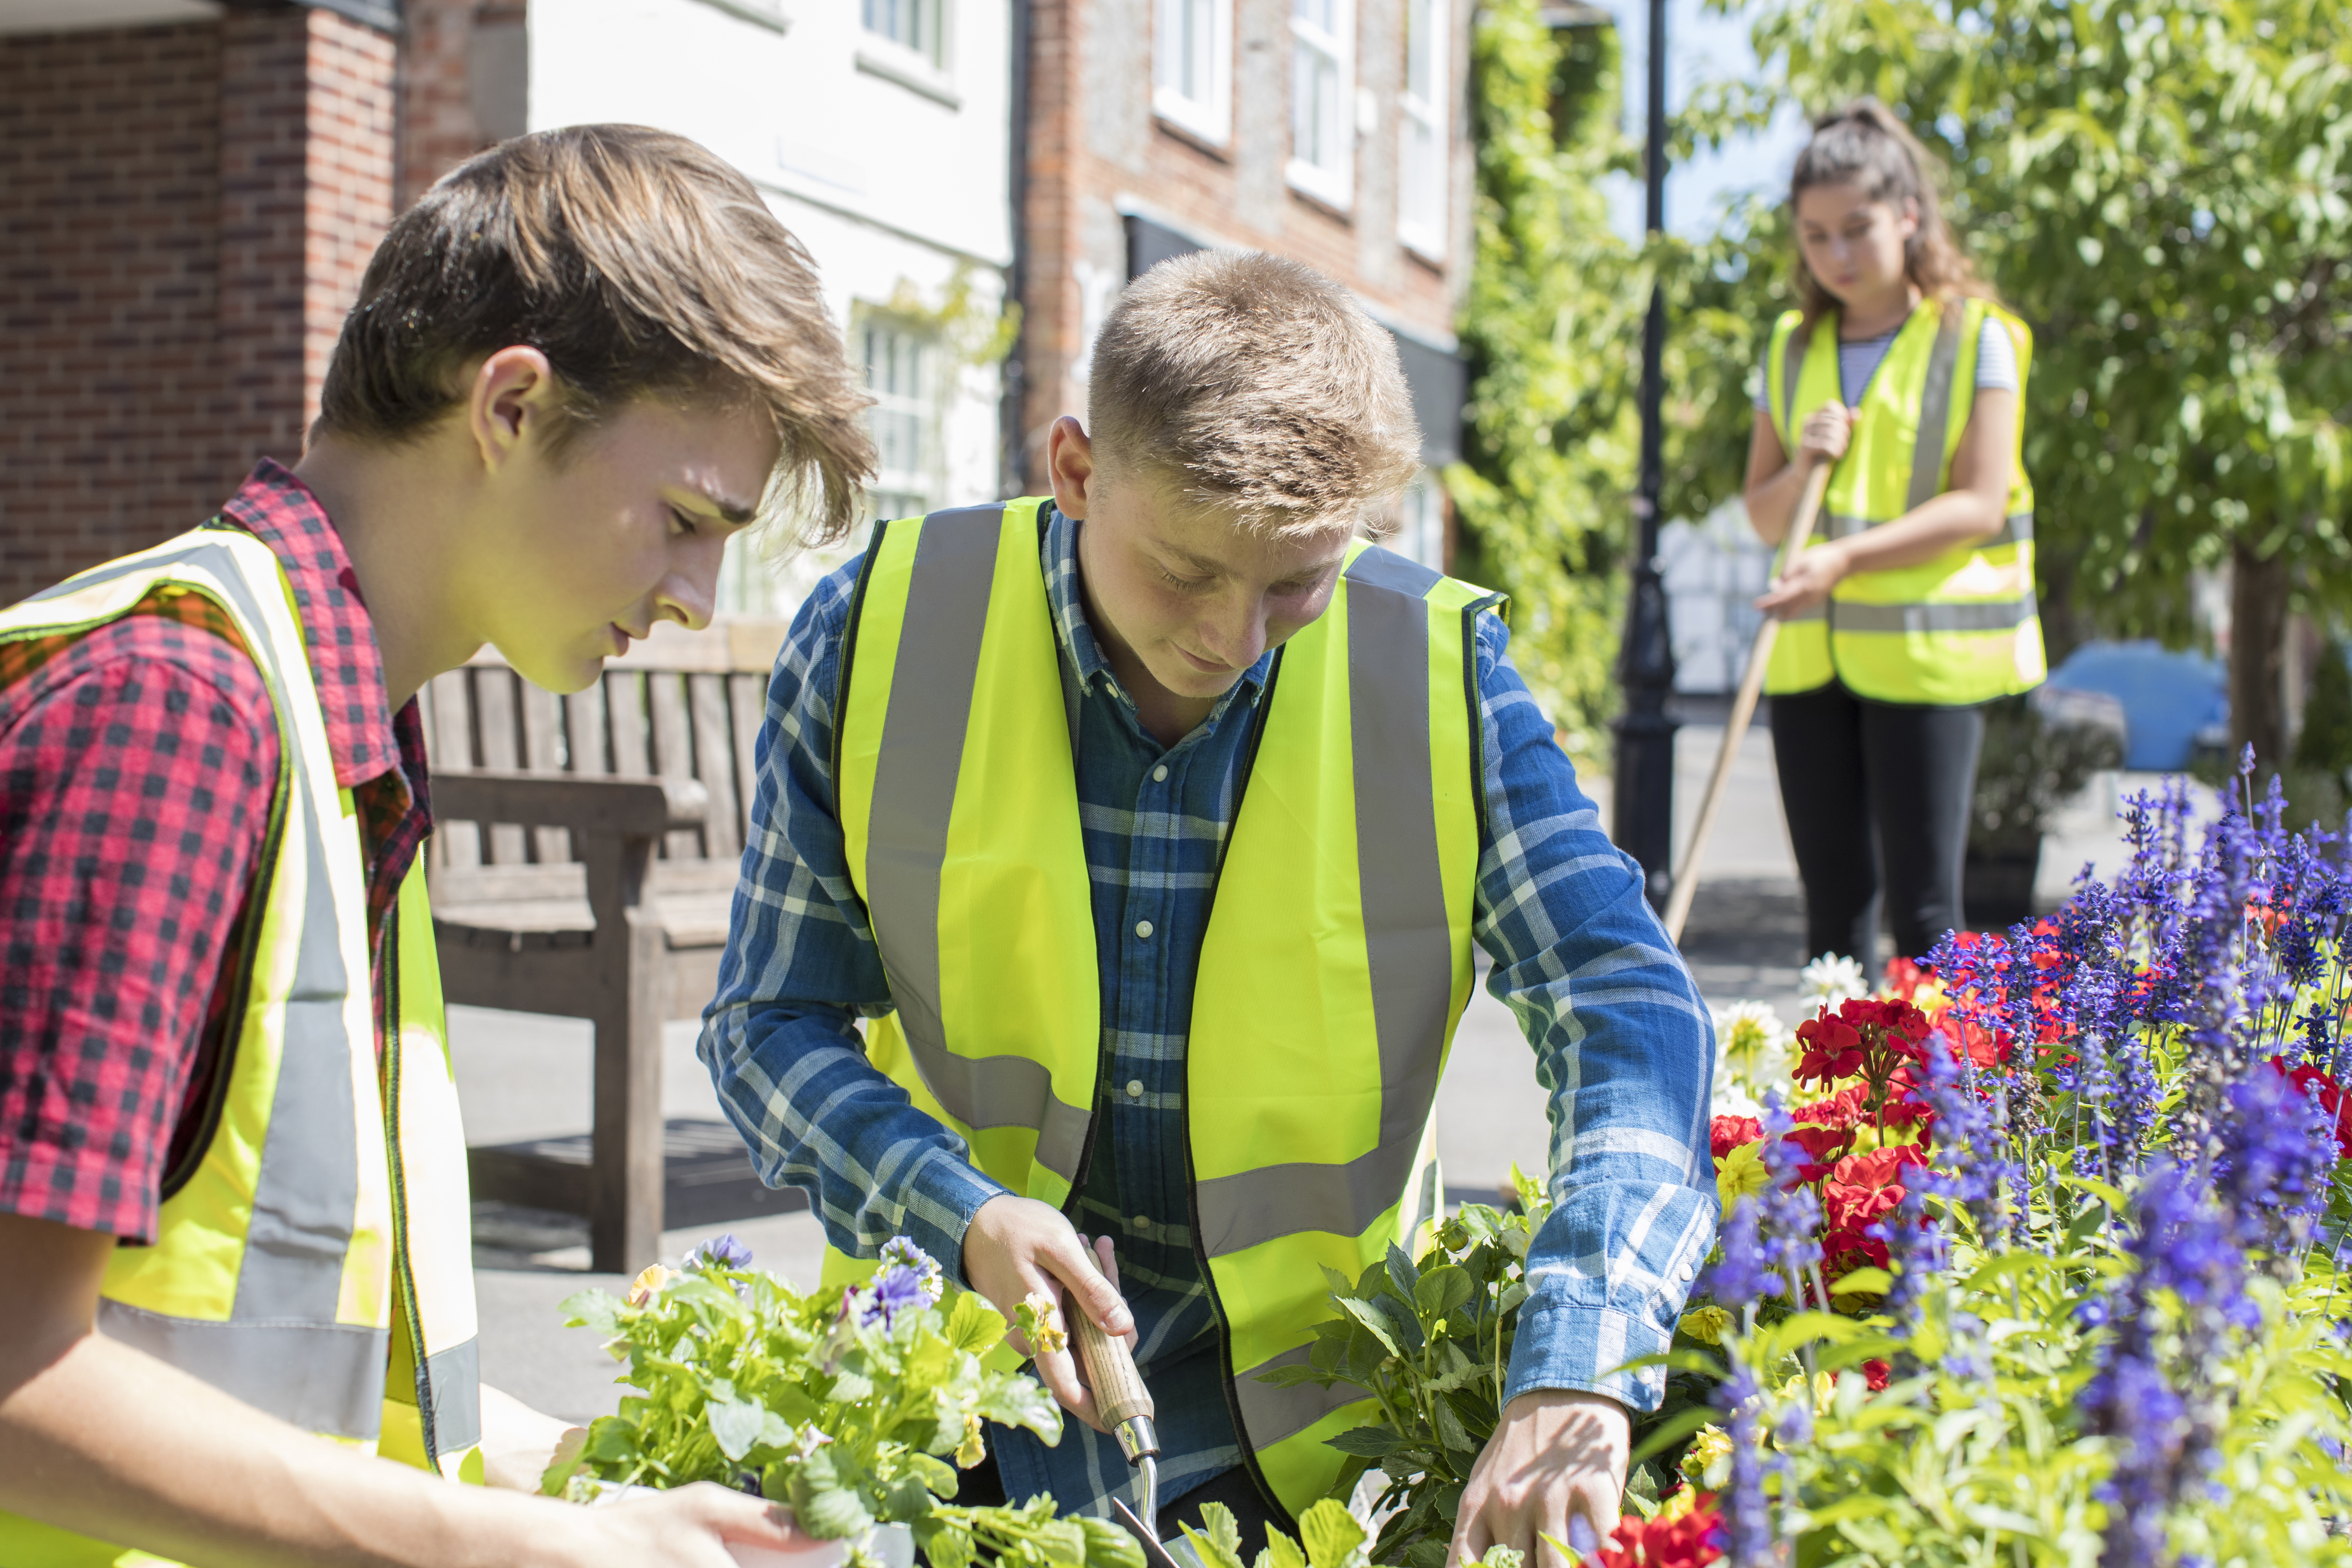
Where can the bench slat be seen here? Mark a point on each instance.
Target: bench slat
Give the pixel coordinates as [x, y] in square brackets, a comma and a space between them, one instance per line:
[673, 741]
[543, 750]
[497, 727]
[723, 830]
[452, 746]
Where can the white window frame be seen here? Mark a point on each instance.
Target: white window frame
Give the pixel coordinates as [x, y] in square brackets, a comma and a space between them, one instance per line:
[923, 404]
[929, 71]
[1332, 184]
[1420, 117]
[1209, 117]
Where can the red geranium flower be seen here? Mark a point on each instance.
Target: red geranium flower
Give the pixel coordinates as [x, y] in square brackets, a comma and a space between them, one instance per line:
[2332, 1099]
[1728, 1133]
[1692, 1541]
[1832, 1050]
[1876, 1373]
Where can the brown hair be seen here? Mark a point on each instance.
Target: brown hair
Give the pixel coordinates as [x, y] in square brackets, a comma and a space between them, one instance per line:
[1864, 145]
[642, 267]
[1258, 385]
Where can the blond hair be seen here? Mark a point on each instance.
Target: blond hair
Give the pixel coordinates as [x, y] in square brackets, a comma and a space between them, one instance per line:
[643, 267]
[1256, 385]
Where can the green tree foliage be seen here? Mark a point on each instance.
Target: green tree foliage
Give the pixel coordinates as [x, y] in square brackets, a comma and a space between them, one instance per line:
[1551, 327]
[2162, 190]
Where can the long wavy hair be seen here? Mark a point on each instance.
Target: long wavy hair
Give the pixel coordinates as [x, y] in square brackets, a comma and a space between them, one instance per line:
[1864, 145]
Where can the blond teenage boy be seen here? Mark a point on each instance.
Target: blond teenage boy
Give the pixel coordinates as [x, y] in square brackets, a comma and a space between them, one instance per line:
[1148, 830]
[232, 1184]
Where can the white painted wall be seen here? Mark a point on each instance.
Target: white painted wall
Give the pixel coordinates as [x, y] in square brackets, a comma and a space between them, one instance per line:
[894, 175]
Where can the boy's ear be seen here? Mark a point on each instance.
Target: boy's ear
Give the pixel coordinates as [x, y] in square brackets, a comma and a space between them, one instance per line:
[514, 395]
[1070, 465]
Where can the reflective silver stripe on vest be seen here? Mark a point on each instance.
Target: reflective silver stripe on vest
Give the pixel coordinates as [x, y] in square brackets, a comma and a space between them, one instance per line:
[2006, 616]
[2015, 528]
[1793, 361]
[1935, 412]
[1406, 935]
[322, 1377]
[906, 838]
[281, 1350]
[455, 1376]
[1272, 1414]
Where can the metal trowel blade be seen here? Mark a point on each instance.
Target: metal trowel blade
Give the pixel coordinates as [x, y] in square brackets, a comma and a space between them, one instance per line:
[1155, 1553]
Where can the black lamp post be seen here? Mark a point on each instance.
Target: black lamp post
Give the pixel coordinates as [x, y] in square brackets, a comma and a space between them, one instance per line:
[1644, 785]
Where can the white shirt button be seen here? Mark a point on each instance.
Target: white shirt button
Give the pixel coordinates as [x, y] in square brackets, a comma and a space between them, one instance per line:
[1159, 773]
[1688, 1271]
[1143, 930]
[1135, 1088]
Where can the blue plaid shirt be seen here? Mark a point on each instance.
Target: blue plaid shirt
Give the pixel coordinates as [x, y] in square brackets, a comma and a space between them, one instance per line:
[1622, 1040]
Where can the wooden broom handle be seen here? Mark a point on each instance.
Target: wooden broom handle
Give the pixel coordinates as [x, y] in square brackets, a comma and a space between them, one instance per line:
[1743, 709]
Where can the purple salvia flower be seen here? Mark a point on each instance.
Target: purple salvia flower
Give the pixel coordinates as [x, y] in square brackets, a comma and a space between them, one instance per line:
[1747, 1513]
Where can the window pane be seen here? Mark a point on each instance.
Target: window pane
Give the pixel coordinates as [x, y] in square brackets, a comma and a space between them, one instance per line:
[1419, 65]
[902, 417]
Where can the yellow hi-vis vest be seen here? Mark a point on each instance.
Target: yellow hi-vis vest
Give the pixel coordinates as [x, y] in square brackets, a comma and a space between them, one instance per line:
[320, 1232]
[1336, 960]
[1958, 629]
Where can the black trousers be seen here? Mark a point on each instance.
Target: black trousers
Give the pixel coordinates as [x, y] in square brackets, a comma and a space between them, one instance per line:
[1877, 797]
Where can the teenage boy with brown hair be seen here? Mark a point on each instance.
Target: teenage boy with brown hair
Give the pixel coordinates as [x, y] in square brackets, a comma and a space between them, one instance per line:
[1148, 829]
[232, 1184]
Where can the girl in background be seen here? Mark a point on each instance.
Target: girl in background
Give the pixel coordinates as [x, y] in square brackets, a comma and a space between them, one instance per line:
[1913, 604]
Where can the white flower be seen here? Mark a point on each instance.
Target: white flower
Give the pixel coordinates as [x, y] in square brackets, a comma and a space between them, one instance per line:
[1751, 1056]
[1832, 979]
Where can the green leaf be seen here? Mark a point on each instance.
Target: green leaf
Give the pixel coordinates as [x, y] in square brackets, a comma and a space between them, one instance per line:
[596, 1309]
[1863, 1282]
[1427, 1553]
[737, 1426]
[1218, 1543]
[830, 1513]
[972, 1324]
[1443, 1289]
[1281, 1552]
[1331, 1534]
[1402, 1272]
[1110, 1545]
[1373, 1321]
[1296, 1374]
[1371, 1442]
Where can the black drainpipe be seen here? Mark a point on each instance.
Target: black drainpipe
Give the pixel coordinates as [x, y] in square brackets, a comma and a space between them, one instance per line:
[1013, 377]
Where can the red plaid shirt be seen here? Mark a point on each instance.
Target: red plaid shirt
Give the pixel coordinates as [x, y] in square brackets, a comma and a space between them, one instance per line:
[136, 766]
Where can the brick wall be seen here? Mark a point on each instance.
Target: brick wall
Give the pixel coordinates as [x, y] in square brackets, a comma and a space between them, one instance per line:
[1094, 140]
[185, 213]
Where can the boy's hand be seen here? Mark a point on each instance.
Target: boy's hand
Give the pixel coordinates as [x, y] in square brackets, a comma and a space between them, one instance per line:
[1558, 1453]
[690, 1528]
[1017, 1246]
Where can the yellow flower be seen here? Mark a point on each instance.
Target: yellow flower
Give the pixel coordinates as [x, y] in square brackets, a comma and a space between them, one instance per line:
[1824, 1390]
[1706, 1324]
[647, 1285]
[972, 1450]
[1041, 1323]
[1710, 1448]
[1740, 1173]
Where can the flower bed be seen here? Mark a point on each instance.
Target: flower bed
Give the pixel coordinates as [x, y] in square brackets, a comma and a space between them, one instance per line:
[2030, 1260]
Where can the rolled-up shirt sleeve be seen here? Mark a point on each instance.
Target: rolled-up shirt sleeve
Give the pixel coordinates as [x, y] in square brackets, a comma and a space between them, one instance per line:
[1623, 1048]
[781, 1037]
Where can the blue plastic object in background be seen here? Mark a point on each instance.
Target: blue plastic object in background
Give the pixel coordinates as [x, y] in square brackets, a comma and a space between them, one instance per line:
[2167, 697]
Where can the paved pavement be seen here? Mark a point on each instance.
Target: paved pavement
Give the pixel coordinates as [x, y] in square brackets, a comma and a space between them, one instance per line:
[524, 1077]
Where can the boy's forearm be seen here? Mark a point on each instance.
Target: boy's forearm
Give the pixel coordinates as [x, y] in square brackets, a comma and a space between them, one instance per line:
[817, 1113]
[108, 1442]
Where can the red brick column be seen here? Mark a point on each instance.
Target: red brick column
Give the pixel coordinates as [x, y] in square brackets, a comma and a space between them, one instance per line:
[306, 159]
[109, 201]
[1050, 319]
[185, 214]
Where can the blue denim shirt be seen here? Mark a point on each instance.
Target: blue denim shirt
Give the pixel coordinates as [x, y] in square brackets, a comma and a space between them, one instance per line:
[1622, 1040]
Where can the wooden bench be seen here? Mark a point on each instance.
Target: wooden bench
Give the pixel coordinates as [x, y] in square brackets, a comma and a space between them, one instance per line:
[584, 866]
